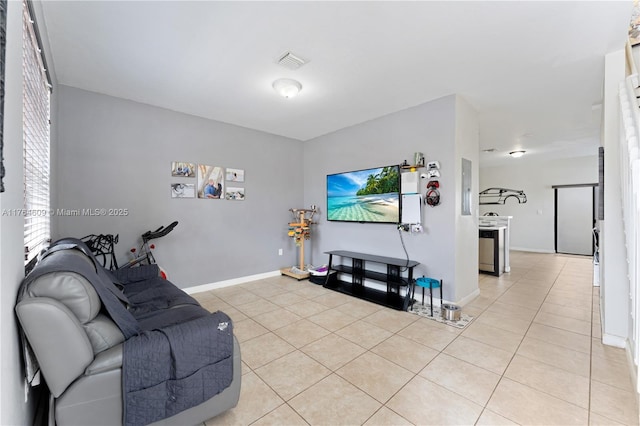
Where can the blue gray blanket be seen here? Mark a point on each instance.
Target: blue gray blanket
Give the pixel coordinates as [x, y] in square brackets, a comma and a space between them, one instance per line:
[168, 370]
[183, 356]
[176, 354]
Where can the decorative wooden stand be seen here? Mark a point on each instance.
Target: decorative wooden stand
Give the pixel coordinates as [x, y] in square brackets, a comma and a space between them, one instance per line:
[300, 230]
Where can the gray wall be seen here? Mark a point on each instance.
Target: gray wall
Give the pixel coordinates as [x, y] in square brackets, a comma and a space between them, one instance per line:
[115, 153]
[466, 226]
[428, 128]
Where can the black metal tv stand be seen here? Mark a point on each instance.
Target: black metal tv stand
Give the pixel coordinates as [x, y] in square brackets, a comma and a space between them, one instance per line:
[393, 278]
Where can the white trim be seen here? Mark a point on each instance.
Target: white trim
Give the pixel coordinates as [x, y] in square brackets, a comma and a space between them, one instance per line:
[533, 250]
[469, 297]
[461, 302]
[617, 341]
[231, 282]
[632, 366]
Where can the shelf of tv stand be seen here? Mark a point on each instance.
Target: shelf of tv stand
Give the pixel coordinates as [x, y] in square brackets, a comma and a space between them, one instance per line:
[372, 275]
[357, 288]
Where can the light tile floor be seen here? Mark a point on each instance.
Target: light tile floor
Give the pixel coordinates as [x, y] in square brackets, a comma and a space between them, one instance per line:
[532, 355]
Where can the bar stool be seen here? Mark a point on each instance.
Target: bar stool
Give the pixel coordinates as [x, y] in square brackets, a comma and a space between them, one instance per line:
[429, 283]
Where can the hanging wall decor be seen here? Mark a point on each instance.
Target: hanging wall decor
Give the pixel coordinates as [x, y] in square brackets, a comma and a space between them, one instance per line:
[183, 190]
[210, 182]
[235, 175]
[634, 24]
[501, 195]
[233, 193]
[182, 169]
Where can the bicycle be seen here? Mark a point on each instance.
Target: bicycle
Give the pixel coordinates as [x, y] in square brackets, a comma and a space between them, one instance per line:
[102, 248]
[146, 255]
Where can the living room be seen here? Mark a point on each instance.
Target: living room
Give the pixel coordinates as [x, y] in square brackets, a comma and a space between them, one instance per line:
[113, 151]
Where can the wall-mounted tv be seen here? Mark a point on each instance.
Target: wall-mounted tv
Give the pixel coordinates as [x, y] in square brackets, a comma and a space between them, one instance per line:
[370, 195]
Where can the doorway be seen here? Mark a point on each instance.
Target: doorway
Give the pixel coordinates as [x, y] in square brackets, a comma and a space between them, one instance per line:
[574, 219]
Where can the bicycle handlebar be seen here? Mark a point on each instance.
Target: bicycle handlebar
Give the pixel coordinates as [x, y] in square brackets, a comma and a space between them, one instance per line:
[160, 232]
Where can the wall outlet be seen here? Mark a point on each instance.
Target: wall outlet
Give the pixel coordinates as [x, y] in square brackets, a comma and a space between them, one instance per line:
[279, 252]
[416, 228]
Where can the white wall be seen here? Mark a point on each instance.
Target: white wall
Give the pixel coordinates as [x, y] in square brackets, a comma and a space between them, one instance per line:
[614, 284]
[115, 153]
[533, 222]
[429, 128]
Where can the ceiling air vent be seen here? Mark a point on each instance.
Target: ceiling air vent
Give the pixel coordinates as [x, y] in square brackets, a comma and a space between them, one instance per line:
[291, 61]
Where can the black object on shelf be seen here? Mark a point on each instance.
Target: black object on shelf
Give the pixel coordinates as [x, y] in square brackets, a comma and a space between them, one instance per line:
[356, 287]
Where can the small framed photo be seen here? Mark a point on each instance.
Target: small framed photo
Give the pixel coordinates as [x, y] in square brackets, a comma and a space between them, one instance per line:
[182, 169]
[235, 175]
[183, 190]
[210, 182]
[234, 193]
[634, 25]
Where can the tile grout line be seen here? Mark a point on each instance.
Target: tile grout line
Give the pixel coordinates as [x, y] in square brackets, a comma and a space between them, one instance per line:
[331, 371]
[502, 376]
[397, 333]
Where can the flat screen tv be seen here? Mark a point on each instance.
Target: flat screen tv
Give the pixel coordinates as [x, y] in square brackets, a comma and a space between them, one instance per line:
[370, 195]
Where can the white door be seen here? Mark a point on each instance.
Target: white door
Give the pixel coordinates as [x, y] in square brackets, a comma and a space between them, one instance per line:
[574, 220]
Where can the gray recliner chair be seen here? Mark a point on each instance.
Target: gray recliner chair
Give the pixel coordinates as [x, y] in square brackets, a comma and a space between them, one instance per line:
[79, 350]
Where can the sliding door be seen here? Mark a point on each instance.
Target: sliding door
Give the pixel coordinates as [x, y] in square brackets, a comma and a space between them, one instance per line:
[574, 219]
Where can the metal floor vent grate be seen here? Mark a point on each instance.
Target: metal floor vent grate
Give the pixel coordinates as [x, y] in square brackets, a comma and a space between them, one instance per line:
[291, 61]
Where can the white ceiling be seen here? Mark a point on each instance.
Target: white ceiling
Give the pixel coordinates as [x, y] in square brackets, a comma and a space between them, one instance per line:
[532, 70]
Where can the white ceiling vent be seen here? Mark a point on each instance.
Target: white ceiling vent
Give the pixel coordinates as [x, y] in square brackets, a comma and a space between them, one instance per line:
[291, 61]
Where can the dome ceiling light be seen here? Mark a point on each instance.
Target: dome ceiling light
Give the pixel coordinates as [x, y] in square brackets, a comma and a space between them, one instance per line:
[287, 88]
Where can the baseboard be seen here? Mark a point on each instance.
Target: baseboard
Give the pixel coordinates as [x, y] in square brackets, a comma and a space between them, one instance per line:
[231, 282]
[632, 366]
[469, 297]
[436, 300]
[617, 341]
[531, 250]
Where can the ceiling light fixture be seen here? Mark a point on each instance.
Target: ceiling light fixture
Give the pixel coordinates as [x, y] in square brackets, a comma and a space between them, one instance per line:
[287, 87]
[517, 154]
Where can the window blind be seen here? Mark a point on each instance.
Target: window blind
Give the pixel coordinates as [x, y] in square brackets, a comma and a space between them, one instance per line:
[36, 141]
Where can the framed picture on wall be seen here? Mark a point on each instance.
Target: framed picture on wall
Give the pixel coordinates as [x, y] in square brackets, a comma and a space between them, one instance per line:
[210, 182]
[183, 169]
[634, 24]
[235, 175]
[183, 190]
[233, 193]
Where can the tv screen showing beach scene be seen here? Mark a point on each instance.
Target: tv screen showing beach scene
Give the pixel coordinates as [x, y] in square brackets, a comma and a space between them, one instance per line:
[371, 195]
